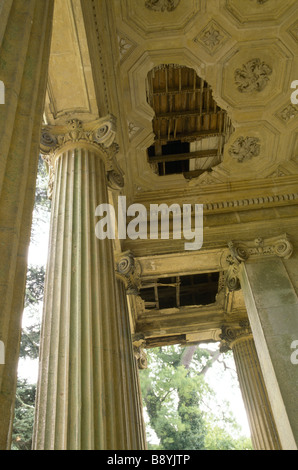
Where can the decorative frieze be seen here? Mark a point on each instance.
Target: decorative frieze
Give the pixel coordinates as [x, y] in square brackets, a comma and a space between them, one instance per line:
[253, 76]
[162, 5]
[245, 148]
[277, 198]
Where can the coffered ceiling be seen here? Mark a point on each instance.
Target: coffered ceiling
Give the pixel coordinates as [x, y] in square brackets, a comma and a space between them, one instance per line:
[246, 51]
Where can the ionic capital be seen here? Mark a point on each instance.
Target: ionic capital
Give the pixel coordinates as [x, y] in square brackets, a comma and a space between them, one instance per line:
[100, 134]
[243, 251]
[97, 135]
[275, 246]
[232, 334]
[128, 270]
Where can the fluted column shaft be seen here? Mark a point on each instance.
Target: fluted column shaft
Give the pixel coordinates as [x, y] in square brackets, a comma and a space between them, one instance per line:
[263, 429]
[135, 432]
[264, 434]
[25, 34]
[86, 396]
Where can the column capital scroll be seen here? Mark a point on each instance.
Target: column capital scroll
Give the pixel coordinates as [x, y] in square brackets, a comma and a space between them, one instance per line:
[98, 135]
[232, 334]
[242, 251]
[140, 355]
[275, 246]
[128, 269]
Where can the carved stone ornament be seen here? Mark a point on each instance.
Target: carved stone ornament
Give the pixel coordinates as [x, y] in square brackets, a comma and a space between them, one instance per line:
[243, 251]
[128, 269]
[260, 2]
[212, 37]
[275, 246]
[245, 148]
[232, 280]
[288, 113]
[253, 76]
[232, 334]
[162, 5]
[140, 353]
[99, 134]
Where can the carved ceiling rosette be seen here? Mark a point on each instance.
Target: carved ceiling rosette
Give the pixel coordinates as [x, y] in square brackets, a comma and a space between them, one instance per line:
[99, 134]
[162, 5]
[212, 37]
[253, 76]
[245, 148]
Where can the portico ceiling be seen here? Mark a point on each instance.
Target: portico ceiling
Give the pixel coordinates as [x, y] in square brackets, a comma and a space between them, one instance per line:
[247, 54]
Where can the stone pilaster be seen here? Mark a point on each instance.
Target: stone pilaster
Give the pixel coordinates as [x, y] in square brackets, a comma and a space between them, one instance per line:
[86, 392]
[264, 434]
[25, 35]
[260, 268]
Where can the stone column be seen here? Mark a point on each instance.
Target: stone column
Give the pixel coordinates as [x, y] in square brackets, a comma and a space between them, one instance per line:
[85, 397]
[272, 307]
[128, 282]
[25, 36]
[264, 434]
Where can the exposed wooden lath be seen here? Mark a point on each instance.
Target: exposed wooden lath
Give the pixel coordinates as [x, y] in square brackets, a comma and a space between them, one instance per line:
[180, 291]
[185, 111]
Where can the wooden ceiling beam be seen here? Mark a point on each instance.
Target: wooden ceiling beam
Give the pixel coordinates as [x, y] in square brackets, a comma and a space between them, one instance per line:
[184, 156]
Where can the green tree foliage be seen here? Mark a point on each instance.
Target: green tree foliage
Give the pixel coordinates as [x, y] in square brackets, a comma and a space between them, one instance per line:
[24, 416]
[177, 400]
